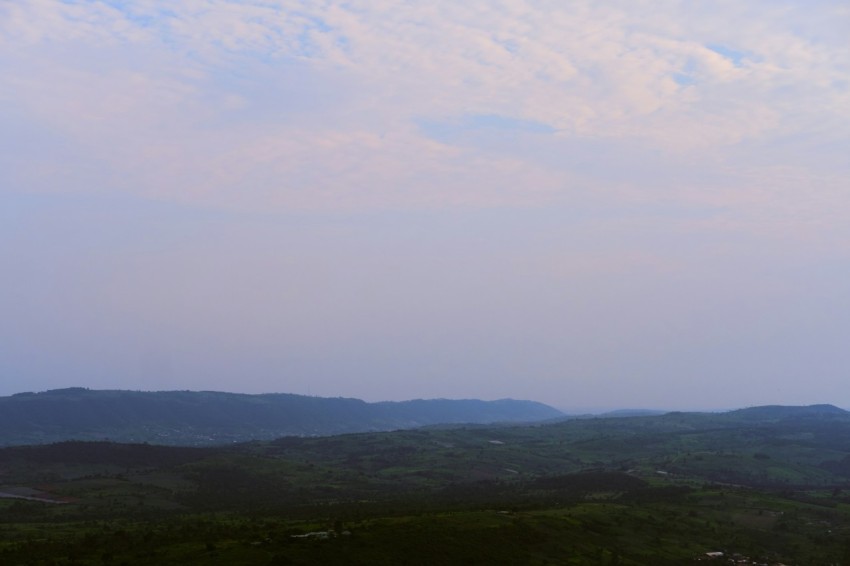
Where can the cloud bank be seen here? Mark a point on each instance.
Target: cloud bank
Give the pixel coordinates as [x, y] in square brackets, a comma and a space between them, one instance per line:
[320, 104]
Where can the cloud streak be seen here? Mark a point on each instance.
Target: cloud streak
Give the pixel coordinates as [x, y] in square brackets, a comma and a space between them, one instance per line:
[692, 81]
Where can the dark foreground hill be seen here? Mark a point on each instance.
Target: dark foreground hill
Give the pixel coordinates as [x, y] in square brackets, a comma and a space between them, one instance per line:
[206, 417]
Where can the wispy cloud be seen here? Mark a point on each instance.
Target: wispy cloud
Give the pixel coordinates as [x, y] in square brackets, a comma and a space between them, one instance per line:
[152, 81]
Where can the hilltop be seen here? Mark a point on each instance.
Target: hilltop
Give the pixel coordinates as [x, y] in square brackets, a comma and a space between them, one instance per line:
[210, 417]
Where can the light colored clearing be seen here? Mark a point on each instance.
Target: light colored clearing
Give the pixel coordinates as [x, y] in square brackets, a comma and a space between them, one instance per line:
[29, 494]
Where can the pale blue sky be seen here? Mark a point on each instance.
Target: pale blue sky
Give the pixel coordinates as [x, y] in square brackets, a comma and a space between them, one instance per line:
[590, 204]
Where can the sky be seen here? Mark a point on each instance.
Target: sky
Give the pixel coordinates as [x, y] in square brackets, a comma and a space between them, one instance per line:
[589, 203]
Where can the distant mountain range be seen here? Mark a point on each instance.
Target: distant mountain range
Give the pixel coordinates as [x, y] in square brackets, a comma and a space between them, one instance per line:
[208, 417]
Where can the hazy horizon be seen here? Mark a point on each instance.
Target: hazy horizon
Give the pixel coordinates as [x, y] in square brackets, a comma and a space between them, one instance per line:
[568, 410]
[606, 204]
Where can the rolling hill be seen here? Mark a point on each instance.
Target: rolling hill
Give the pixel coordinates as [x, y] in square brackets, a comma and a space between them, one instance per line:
[765, 485]
[208, 417]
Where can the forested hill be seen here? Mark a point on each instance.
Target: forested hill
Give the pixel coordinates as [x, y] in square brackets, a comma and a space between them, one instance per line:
[207, 417]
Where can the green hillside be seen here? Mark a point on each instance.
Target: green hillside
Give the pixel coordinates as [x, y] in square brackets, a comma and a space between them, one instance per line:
[770, 484]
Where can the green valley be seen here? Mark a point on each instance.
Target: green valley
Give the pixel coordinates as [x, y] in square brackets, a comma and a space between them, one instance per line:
[771, 484]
